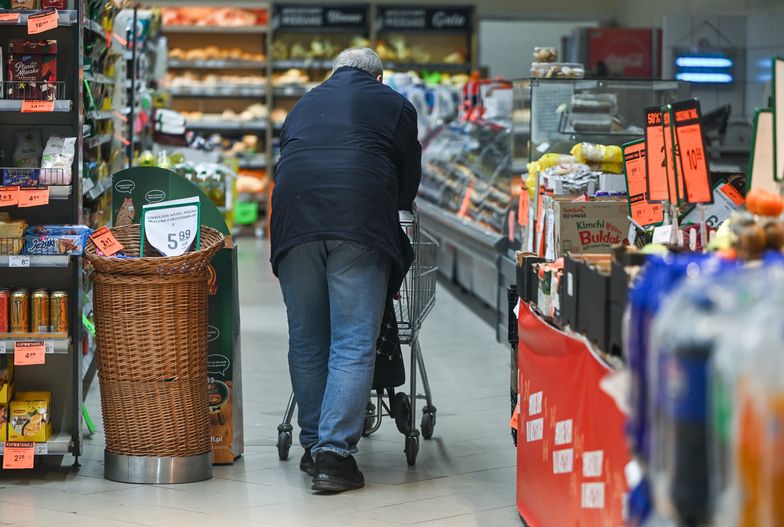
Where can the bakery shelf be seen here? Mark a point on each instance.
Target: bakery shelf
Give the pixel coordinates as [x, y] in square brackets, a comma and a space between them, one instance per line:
[58, 445]
[98, 140]
[255, 162]
[35, 260]
[227, 125]
[419, 66]
[54, 346]
[13, 105]
[214, 29]
[291, 91]
[217, 64]
[65, 17]
[99, 189]
[302, 64]
[227, 91]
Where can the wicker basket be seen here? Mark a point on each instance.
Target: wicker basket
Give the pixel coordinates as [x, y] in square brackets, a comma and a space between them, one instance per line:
[151, 332]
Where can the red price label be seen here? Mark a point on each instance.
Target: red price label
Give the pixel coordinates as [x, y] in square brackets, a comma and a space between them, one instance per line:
[674, 172]
[656, 161]
[106, 242]
[29, 353]
[642, 211]
[18, 455]
[9, 17]
[691, 148]
[37, 106]
[523, 207]
[9, 196]
[33, 197]
[735, 196]
[466, 200]
[43, 22]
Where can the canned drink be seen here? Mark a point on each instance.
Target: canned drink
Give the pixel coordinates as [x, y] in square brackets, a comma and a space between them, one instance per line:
[39, 311]
[5, 309]
[58, 311]
[20, 311]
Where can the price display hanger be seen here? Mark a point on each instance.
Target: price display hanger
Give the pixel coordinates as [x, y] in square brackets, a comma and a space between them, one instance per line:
[642, 211]
[172, 227]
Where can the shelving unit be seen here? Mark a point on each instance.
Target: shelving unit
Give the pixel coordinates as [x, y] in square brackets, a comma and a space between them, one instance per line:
[62, 372]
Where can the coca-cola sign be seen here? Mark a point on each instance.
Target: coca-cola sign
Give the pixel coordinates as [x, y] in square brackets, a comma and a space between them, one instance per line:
[303, 17]
[395, 18]
[624, 52]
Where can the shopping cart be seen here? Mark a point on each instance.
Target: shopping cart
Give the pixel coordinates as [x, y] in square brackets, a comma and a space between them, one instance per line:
[417, 298]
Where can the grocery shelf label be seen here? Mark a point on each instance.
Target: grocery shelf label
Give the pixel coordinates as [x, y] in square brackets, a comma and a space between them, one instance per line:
[641, 209]
[37, 106]
[172, 226]
[30, 353]
[563, 432]
[106, 242]
[41, 449]
[592, 496]
[18, 455]
[19, 261]
[9, 196]
[563, 461]
[41, 23]
[534, 430]
[9, 17]
[33, 197]
[692, 158]
[592, 463]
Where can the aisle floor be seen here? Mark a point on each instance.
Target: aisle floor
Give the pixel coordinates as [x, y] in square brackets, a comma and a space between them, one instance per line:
[464, 476]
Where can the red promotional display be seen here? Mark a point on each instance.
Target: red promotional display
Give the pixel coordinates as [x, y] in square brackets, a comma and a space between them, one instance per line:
[627, 53]
[693, 163]
[656, 161]
[642, 211]
[571, 449]
[672, 158]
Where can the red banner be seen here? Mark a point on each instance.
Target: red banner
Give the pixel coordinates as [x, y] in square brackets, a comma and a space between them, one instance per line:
[571, 449]
[625, 52]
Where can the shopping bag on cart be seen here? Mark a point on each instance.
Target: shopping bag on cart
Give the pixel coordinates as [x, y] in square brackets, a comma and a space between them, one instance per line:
[390, 371]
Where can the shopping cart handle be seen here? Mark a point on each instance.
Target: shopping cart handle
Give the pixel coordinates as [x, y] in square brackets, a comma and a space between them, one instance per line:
[405, 216]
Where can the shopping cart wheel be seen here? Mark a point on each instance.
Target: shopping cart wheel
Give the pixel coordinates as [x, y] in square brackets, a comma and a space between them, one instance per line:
[284, 444]
[428, 421]
[370, 420]
[412, 449]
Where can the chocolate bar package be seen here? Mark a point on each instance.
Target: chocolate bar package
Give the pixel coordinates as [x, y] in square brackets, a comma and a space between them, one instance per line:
[55, 230]
[33, 62]
[71, 244]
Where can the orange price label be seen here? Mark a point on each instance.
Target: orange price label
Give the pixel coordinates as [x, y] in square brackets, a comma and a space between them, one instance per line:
[37, 106]
[523, 207]
[642, 211]
[106, 242]
[9, 196]
[735, 196]
[18, 455]
[691, 150]
[29, 353]
[655, 160]
[33, 197]
[466, 200]
[9, 17]
[43, 22]
[674, 171]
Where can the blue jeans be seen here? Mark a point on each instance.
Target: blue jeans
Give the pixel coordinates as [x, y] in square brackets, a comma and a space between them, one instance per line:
[334, 293]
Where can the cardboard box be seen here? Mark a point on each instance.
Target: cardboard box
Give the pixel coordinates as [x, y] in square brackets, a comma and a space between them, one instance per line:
[30, 417]
[586, 227]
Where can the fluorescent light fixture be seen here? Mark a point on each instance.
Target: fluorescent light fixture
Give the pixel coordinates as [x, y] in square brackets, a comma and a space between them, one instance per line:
[703, 62]
[694, 76]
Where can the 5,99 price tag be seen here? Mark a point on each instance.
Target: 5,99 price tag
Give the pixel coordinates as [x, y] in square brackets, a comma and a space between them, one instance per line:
[29, 353]
[106, 242]
[18, 455]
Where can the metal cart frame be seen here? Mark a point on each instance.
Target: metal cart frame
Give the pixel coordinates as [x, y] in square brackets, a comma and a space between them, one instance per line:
[416, 300]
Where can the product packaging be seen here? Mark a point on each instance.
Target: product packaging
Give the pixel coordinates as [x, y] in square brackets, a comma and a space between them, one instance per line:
[33, 63]
[27, 153]
[23, 4]
[30, 417]
[56, 244]
[54, 4]
[57, 160]
[6, 375]
[582, 227]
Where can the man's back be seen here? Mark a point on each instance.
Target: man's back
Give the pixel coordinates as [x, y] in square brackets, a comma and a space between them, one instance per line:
[349, 161]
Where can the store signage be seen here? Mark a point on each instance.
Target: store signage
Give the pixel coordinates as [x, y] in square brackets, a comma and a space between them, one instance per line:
[627, 53]
[9, 17]
[455, 19]
[778, 121]
[172, 227]
[33, 197]
[692, 160]
[18, 455]
[642, 211]
[705, 68]
[29, 353]
[674, 172]
[9, 196]
[19, 261]
[106, 242]
[41, 23]
[299, 17]
[655, 160]
[37, 106]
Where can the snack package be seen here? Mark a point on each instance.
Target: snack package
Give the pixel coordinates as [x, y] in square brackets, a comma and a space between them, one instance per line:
[28, 150]
[57, 230]
[23, 4]
[30, 417]
[56, 244]
[54, 4]
[593, 153]
[33, 64]
[57, 160]
[3, 422]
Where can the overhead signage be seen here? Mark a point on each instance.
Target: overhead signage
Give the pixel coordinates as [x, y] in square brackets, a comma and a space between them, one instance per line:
[693, 163]
[304, 17]
[409, 18]
[642, 211]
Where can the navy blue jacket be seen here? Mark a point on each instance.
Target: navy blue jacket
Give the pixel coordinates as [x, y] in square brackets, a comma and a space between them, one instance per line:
[350, 159]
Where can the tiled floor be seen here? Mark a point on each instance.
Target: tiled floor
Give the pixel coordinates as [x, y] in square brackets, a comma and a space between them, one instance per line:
[464, 476]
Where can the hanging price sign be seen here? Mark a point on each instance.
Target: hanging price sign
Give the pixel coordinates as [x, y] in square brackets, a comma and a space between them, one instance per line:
[172, 227]
[9, 17]
[106, 242]
[9, 196]
[37, 106]
[675, 183]
[691, 148]
[33, 197]
[655, 160]
[642, 211]
[29, 353]
[18, 455]
[41, 23]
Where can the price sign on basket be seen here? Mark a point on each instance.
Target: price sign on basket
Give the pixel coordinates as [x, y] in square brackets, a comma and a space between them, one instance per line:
[9, 196]
[37, 106]
[172, 227]
[106, 242]
[29, 353]
[18, 455]
[33, 197]
[43, 22]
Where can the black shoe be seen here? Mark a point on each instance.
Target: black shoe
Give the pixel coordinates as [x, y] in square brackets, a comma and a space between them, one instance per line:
[306, 464]
[336, 473]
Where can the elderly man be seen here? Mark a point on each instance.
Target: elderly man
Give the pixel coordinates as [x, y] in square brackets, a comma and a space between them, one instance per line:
[349, 161]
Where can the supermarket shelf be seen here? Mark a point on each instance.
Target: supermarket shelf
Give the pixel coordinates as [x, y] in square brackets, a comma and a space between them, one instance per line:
[65, 17]
[101, 116]
[35, 260]
[227, 91]
[95, 27]
[227, 125]
[12, 105]
[214, 29]
[419, 66]
[59, 346]
[98, 140]
[98, 78]
[302, 64]
[291, 91]
[59, 191]
[58, 445]
[217, 64]
[98, 189]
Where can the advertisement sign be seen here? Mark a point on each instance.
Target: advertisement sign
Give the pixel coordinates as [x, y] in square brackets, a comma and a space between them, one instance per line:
[298, 17]
[627, 53]
[409, 18]
[571, 448]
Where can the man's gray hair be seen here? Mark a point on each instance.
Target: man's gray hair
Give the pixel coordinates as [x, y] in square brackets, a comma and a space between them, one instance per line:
[364, 59]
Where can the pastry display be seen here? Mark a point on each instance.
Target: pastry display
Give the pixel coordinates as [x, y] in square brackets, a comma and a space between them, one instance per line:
[396, 49]
[215, 53]
[254, 112]
[207, 81]
[213, 16]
